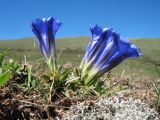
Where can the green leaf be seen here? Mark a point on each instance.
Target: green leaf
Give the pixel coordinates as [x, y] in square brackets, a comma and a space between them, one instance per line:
[29, 76]
[60, 68]
[4, 77]
[72, 79]
[33, 83]
[1, 71]
[64, 75]
[1, 59]
[77, 72]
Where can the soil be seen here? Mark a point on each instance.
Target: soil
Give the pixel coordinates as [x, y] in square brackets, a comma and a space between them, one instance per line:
[29, 104]
[23, 104]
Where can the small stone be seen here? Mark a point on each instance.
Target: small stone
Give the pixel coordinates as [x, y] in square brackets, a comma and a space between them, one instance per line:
[151, 117]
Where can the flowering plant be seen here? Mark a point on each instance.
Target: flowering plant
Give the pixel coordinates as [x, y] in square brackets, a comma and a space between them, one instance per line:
[45, 30]
[105, 51]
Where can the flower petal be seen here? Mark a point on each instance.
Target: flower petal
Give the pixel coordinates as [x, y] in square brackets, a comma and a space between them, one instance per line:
[105, 51]
[45, 30]
[95, 42]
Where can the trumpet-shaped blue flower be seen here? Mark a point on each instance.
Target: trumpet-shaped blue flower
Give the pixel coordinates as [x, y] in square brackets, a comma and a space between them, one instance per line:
[45, 30]
[105, 51]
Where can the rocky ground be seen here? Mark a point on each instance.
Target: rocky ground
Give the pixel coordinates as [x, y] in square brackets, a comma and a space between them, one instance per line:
[135, 103]
[118, 107]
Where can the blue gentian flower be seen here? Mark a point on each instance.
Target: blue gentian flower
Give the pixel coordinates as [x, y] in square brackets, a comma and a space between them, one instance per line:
[45, 30]
[105, 51]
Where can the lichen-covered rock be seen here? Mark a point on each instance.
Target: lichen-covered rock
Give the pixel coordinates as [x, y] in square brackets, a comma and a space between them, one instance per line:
[115, 108]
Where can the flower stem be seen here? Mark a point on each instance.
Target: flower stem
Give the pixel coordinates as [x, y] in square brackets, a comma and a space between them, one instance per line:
[52, 65]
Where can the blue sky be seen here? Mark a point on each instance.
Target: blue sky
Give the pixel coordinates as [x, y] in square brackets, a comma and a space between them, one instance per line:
[131, 18]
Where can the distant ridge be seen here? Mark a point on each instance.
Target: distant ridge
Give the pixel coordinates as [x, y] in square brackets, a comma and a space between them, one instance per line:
[32, 38]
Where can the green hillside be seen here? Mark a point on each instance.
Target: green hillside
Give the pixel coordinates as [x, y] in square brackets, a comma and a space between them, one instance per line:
[71, 50]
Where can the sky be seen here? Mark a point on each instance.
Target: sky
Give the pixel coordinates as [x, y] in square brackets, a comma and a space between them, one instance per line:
[131, 18]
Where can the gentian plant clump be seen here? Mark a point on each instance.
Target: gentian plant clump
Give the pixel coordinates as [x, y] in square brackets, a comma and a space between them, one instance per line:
[105, 51]
[45, 30]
